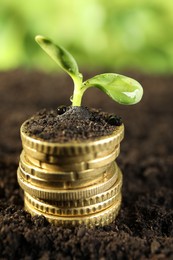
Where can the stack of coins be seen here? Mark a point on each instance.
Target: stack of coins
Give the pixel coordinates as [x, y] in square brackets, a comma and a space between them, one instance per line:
[71, 183]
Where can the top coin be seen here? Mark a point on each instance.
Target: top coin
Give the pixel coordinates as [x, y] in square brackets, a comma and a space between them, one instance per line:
[74, 148]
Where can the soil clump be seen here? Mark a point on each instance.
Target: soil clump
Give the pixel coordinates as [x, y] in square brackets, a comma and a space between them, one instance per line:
[66, 124]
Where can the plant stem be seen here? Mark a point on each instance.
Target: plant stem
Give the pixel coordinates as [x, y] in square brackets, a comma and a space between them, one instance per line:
[77, 96]
[78, 92]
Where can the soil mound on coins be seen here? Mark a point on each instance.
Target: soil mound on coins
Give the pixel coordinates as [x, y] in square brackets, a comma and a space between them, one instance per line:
[71, 123]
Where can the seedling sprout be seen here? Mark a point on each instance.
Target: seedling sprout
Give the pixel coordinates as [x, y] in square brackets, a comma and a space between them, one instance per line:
[121, 89]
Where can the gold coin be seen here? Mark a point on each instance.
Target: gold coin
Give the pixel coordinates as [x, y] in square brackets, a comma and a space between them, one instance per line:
[41, 182]
[52, 209]
[63, 160]
[113, 191]
[82, 166]
[67, 194]
[75, 148]
[54, 175]
[101, 218]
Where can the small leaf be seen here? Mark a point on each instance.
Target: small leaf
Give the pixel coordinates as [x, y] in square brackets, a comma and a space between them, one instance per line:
[120, 88]
[61, 56]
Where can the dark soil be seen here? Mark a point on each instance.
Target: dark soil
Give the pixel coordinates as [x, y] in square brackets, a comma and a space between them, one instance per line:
[71, 124]
[144, 227]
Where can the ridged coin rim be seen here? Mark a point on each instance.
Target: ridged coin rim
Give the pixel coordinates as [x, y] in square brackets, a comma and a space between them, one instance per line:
[98, 219]
[68, 194]
[40, 182]
[82, 166]
[65, 159]
[77, 211]
[114, 190]
[51, 175]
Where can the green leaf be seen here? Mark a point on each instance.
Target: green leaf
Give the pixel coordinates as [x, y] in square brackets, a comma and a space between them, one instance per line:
[61, 56]
[120, 88]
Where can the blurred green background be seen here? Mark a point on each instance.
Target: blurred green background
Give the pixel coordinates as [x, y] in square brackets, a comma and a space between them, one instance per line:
[119, 35]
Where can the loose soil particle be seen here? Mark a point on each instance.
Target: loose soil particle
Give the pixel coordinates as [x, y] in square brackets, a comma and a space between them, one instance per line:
[144, 227]
[71, 123]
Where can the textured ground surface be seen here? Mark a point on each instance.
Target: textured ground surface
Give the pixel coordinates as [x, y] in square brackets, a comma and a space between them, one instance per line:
[144, 227]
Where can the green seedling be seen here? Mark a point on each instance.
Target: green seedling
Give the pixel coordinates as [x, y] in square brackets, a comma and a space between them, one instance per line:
[122, 89]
